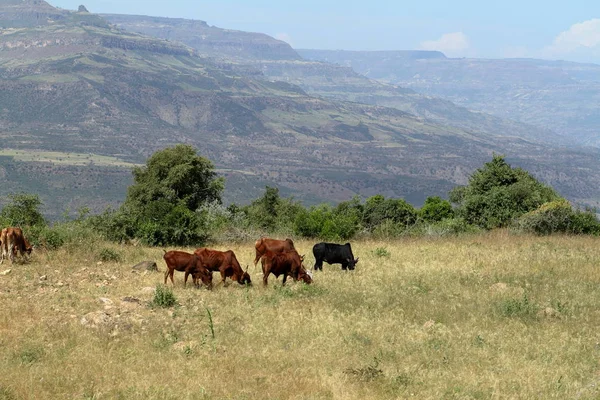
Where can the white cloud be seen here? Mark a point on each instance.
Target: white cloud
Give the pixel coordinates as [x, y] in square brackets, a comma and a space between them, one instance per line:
[454, 44]
[284, 37]
[583, 37]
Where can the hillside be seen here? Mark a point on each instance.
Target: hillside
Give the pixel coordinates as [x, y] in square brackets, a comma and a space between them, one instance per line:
[278, 61]
[209, 40]
[80, 87]
[557, 95]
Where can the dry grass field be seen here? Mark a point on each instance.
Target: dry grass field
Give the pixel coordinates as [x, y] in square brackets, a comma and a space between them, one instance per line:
[492, 316]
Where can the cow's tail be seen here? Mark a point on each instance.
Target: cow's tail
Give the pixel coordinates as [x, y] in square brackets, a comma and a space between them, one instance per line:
[164, 251]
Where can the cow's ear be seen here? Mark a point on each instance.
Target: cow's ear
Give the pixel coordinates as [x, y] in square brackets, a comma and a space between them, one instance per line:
[302, 257]
[356, 261]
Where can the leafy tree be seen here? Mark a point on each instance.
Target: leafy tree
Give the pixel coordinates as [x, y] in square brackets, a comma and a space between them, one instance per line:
[23, 210]
[327, 223]
[436, 209]
[162, 204]
[175, 175]
[559, 217]
[378, 209]
[497, 194]
[272, 212]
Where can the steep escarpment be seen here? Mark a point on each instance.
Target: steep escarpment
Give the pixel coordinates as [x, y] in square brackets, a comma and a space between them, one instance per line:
[208, 40]
[28, 13]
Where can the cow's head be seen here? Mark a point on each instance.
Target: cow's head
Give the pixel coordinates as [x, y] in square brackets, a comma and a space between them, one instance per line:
[352, 263]
[305, 276]
[204, 275]
[245, 279]
[28, 248]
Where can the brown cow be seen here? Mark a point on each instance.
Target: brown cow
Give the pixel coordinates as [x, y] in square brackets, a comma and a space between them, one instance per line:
[182, 261]
[264, 244]
[284, 263]
[225, 262]
[13, 242]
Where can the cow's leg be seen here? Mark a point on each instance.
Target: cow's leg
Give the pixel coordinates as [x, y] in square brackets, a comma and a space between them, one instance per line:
[11, 252]
[318, 264]
[166, 275]
[187, 274]
[266, 273]
[223, 278]
[284, 279]
[344, 266]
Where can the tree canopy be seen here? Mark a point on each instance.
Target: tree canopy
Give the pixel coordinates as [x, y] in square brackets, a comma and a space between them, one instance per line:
[498, 193]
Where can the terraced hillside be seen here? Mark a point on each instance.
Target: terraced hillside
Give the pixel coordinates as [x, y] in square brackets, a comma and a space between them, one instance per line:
[557, 95]
[278, 61]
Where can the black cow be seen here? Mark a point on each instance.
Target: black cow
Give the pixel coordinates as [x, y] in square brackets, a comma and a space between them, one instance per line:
[334, 254]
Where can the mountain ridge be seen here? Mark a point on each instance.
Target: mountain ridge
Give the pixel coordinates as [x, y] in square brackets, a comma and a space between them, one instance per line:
[128, 100]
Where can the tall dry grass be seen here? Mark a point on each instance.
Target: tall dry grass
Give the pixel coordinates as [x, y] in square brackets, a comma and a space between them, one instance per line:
[480, 317]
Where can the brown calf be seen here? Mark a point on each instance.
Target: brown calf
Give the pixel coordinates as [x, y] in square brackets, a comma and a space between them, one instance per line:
[13, 242]
[182, 261]
[263, 245]
[225, 262]
[285, 263]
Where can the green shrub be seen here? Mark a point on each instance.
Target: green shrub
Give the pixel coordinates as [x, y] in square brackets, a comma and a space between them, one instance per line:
[559, 217]
[378, 209]
[51, 239]
[518, 308]
[23, 210]
[163, 297]
[325, 223]
[450, 226]
[388, 230]
[381, 252]
[497, 194]
[109, 255]
[436, 209]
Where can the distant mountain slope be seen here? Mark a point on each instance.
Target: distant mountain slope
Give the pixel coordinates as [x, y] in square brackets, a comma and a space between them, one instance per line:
[557, 95]
[326, 79]
[208, 40]
[28, 13]
[81, 86]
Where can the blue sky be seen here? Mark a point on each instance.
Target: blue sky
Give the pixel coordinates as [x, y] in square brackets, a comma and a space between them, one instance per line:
[461, 28]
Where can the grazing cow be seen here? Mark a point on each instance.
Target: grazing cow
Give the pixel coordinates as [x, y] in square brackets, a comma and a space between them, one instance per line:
[284, 263]
[263, 245]
[182, 261]
[334, 254]
[13, 242]
[225, 262]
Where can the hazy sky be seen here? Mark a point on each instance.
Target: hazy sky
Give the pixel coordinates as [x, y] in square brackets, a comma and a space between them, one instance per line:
[551, 29]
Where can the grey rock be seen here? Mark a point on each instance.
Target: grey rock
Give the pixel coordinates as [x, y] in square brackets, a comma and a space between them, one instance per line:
[146, 265]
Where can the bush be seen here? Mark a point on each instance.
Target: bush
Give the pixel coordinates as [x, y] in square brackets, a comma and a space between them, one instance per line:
[518, 308]
[23, 210]
[497, 194]
[450, 226]
[559, 217]
[381, 252]
[163, 297]
[378, 209]
[325, 223]
[109, 255]
[272, 213]
[388, 230]
[436, 209]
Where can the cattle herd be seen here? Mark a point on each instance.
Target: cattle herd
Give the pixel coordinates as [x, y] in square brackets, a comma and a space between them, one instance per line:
[277, 257]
